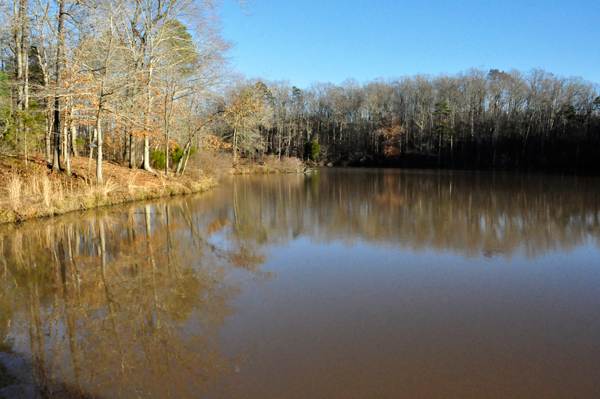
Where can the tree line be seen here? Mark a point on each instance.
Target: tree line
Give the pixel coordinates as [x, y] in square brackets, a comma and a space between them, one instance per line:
[146, 83]
[475, 118]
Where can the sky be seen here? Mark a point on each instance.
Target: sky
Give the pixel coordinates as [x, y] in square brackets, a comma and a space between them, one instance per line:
[332, 40]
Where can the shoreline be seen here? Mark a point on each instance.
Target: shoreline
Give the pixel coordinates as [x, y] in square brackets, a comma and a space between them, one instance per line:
[32, 191]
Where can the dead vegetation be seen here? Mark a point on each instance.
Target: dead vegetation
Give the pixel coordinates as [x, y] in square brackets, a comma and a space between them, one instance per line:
[31, 190]
[272, 164]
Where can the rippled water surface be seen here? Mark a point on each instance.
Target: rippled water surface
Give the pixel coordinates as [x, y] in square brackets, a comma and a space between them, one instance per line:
[341, 284]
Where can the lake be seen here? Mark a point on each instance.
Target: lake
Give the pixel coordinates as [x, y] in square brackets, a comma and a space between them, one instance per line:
[346, 283]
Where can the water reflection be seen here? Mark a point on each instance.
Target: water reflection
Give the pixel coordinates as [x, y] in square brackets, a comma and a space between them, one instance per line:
[130, 301]
[123, 303]
[469, 213]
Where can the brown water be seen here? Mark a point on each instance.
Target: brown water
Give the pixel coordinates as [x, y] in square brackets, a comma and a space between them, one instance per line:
[342, 284]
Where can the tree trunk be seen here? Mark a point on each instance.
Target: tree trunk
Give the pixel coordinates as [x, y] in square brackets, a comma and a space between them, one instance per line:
[187, 158]
[131, 151]
[74, 149]
[56, 133]
[67, 150]
[99, 143]
[146, 164]
[184, 153]
[73, 129]
[235, 147]
[167, 116]
[91, 143]
[25, 63]
[48, 137]
[21, 39]
[60, 51]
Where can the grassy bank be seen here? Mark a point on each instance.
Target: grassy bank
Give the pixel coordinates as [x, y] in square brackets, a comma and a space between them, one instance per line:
[30, 190]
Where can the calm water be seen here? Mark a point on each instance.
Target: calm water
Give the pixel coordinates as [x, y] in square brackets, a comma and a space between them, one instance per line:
[342, 284]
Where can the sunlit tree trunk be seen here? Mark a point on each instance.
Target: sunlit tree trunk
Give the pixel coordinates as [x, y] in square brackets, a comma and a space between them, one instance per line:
[73, 129]
[99, 143]
[60, 51]
[21, 43]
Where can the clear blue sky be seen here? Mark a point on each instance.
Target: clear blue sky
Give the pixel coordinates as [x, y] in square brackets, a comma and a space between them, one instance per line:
[329, 41]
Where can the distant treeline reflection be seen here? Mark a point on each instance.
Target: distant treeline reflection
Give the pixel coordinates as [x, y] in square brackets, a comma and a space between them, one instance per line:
[471, 213]
[128, 300]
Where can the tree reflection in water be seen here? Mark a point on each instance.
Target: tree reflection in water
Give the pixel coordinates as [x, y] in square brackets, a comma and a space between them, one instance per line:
[128, 302]
[469, 213]
[123, 304]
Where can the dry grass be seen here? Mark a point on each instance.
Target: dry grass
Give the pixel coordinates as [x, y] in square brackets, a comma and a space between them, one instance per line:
[46, 190]
[103, 190]
[272, 164]
[30, 191]
[214, 164]
[14, 191]
[131, 187]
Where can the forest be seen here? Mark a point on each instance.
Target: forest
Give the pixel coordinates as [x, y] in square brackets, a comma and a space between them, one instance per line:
[147, 84]
[472, 119]
[111, 80]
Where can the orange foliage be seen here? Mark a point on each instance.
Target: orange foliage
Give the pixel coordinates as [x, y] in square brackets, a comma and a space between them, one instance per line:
[391, 136]
[213, 143]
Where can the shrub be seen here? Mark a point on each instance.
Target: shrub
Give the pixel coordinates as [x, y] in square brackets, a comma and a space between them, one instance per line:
[211, 163]
[312, 150]
[273, 163]
[80, 143]
[176, 155]
[158, 159]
